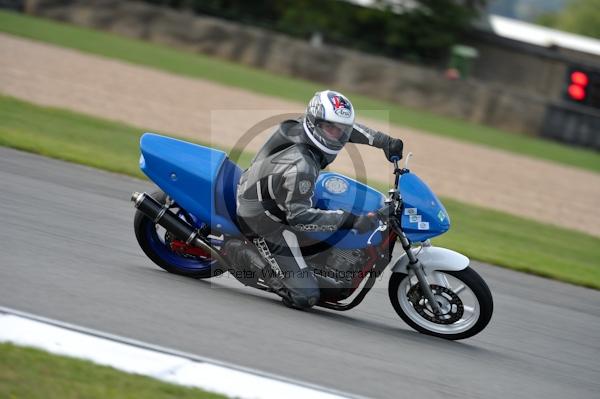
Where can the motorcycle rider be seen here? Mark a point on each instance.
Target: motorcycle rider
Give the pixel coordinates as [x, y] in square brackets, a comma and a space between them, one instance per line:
[274, 194]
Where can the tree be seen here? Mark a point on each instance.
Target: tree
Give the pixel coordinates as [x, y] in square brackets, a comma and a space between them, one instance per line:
[579, 16]
[419, 30]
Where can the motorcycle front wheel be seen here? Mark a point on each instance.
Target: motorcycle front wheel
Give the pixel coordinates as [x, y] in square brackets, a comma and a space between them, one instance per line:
[463, 296]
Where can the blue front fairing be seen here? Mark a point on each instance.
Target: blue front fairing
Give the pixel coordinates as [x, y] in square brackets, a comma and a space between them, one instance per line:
[423, 215]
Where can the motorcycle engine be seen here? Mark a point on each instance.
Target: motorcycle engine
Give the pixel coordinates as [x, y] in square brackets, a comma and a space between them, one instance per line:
[336, 268]
[343, 264]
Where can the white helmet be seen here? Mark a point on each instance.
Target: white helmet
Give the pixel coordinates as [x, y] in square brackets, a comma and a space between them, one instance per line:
[328, 121]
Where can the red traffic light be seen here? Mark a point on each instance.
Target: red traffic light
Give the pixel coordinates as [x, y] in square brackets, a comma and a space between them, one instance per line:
[576, 92]
[579, 78]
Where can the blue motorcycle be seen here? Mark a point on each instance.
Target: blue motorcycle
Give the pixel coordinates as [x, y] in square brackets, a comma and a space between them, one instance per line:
[183, 227]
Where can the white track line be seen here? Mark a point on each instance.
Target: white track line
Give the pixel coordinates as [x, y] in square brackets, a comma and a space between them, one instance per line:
[140, 358]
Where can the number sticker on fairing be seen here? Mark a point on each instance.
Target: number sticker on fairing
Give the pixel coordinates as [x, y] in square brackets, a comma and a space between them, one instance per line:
[423, 226]
[441, 215]
[415, 218]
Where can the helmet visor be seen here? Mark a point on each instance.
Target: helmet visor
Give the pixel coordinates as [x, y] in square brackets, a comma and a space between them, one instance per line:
[334, 135]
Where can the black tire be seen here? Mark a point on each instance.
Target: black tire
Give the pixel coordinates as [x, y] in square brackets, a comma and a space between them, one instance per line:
[471, 279]
[140, 226]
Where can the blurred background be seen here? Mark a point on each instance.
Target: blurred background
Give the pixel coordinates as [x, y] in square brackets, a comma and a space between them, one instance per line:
[517, 67]
[499, 101]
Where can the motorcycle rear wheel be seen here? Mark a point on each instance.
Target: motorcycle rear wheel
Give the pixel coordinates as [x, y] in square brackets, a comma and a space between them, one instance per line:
[154, 241]
[464, 295]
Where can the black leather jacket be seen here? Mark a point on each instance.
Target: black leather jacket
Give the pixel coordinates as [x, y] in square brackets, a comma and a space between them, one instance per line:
[277, 189]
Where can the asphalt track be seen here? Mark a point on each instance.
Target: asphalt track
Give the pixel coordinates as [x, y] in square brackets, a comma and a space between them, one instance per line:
[68, 253]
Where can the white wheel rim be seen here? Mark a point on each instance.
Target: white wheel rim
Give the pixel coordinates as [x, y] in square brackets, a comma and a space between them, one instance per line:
[467, 296]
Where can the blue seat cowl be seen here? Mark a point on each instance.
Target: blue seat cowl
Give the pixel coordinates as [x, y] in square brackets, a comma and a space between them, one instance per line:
[190, 174]
[182, 153]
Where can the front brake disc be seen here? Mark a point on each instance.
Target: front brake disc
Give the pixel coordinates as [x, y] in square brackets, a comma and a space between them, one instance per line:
[448, 301]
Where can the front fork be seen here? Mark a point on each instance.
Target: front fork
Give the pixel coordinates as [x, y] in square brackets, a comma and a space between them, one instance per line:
[414, 264]
[417, 268]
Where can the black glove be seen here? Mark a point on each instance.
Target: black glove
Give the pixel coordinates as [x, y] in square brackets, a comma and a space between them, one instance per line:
[365, 223]
[393, 148]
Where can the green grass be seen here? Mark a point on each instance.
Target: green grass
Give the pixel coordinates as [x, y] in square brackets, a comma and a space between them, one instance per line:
[73, 137]
[482, 234]
[521, 244]
[31, 373]
[199, 66]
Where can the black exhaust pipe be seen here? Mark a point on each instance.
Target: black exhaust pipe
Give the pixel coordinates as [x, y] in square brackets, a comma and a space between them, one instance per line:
[179, 228]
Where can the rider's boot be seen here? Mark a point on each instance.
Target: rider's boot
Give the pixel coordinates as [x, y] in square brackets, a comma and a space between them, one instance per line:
[244, 257]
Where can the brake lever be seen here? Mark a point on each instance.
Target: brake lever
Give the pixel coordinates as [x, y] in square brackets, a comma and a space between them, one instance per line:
[408, 157]
[382, 227]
